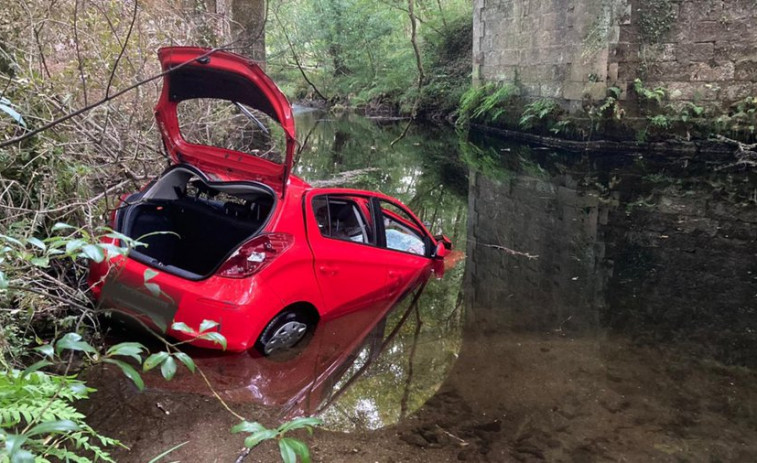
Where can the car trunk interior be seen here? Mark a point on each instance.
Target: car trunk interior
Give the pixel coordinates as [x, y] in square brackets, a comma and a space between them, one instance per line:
[191, 225]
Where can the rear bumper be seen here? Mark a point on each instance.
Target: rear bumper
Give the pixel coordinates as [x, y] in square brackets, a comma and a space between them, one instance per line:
[241, 307]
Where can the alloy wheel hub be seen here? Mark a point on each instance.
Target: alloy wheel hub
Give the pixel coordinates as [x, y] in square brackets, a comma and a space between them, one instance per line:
[286, 336]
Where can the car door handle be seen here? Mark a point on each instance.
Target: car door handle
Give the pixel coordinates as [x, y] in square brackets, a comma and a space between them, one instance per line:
[327, 270]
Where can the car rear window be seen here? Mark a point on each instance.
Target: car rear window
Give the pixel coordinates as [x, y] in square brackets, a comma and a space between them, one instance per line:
[232, 126]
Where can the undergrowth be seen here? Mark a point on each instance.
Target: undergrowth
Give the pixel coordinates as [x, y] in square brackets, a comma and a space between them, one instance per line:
[55, 58]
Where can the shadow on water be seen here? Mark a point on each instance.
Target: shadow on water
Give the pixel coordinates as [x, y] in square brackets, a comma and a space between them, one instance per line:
[662, 250]
[606, 310]
[619, 293]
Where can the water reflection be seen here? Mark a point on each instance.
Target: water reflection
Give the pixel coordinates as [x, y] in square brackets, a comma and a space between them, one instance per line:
[364, 370]
[618, 293]
[659, 249]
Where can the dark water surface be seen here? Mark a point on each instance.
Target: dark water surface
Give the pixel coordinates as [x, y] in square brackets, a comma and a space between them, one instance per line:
[604, 306]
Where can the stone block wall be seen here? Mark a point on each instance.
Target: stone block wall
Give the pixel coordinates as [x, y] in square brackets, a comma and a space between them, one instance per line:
[701, 50]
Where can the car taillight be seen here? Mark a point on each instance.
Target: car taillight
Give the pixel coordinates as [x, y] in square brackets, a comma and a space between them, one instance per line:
[255, 254]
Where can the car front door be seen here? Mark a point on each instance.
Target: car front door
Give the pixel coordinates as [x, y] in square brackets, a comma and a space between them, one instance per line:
[405, 243]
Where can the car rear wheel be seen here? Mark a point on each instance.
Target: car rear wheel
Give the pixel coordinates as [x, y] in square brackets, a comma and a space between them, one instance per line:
[285, 331]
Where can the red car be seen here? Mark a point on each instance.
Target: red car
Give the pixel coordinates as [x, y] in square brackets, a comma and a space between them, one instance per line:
[235, 238]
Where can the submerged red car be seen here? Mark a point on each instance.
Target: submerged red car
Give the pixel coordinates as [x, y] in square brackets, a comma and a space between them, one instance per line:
[232, 236]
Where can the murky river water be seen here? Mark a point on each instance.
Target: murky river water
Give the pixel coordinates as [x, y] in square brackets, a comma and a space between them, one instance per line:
[605, 307]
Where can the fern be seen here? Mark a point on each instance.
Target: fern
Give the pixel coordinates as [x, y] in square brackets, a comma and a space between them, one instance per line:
[486, 103]
[657, 94]
[500, 96]
[538, 113]
[29, 400]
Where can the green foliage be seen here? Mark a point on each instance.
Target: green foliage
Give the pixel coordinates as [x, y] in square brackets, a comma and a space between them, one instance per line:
[487, 103]
[38, 419]
[448, 54]
[691, 111]
[741, 120]
[358, 52]
[656, 95]
[291, 449]
[660, 121]
[610, 109]
[540, 113]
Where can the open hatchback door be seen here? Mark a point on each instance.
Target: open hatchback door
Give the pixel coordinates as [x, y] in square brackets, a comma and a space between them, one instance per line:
[200, 74]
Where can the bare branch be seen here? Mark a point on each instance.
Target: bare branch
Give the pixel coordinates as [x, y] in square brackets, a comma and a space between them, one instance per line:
[418, 64]
[509, 251]
[105, 100]
[123, 48]
[78, 52]
[297, 59]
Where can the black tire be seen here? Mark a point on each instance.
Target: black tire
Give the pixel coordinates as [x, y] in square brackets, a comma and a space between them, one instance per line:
[287, 329]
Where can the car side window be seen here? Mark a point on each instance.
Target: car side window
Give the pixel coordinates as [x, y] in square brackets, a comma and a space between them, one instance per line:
[345, 218]
[402, 233]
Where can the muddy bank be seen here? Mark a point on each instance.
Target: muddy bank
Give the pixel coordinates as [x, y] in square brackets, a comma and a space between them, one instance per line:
[541, 397]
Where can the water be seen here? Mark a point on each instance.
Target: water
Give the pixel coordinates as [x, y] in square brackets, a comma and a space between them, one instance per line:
[605, 307]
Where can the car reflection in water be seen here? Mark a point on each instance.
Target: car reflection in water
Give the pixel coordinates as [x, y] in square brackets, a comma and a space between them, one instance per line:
[307, 380]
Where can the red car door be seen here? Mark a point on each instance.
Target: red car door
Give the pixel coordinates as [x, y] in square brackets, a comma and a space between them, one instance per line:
[405, 243]
[351, 270]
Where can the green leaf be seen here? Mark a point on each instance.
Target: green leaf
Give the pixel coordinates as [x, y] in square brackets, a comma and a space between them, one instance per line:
[43, 262]
[246, 426]
[154, 289]
[299, 423]
[50, 427]
[37, 242]
[13, 443]
[127, 349]
[172, 449]
[154, 360]
[258, 437]
[72, 341]
[186, 360]
[129, 371]
[207, 324]
[93, 252]
[3, 281]
[182, 327]
[46, 350]
[215, 337]
[61, 226]
[74, 246]
[12, 240]
[299, 447]
[149, 274]
[287, 452]
[7, 107]
[168, 368]
[118, 236]
[114, 250]
[36, 366]
[22, 456]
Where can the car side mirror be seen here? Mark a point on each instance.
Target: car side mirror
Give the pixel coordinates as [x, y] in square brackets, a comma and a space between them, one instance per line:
[441, 250]
[444, 240]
